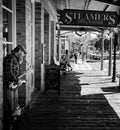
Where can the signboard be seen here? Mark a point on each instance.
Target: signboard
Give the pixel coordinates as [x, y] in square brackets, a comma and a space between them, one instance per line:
[89, 18]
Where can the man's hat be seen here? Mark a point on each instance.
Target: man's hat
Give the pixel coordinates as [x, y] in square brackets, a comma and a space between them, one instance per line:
[20, 47]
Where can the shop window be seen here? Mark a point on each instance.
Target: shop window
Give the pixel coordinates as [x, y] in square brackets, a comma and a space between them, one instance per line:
[8, 4]
[7, 35]
[7, 26]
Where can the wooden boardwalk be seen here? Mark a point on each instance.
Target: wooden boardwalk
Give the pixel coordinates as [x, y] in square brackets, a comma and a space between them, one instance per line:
[73, 109]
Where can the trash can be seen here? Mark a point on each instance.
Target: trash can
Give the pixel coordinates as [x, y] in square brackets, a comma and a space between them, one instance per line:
[52, 77]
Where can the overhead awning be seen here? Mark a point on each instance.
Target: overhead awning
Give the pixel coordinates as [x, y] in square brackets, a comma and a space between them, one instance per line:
[113, 2]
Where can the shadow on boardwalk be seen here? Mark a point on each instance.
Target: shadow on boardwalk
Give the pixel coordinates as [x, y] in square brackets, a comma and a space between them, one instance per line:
[72, 109]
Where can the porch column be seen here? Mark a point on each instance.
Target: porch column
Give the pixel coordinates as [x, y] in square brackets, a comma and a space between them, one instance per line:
[46, 36]
[114, 59]
[110, 56]
[43, 51]
[39, 40]
[24, 37]
[53, 38]
[102, 52]
[58, 45]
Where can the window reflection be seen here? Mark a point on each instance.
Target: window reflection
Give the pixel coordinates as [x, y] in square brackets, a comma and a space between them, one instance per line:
[7, 3]
[7, 26]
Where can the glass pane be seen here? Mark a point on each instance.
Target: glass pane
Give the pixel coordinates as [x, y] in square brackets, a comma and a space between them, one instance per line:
[7, 26]
[8, 3]
[7, 31]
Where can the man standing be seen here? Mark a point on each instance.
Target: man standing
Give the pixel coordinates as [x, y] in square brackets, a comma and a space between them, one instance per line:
[11, 73]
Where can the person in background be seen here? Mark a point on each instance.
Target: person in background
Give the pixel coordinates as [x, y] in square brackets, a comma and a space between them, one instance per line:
[68, 60]
[75, 58]
[11, 72]
[63, 63]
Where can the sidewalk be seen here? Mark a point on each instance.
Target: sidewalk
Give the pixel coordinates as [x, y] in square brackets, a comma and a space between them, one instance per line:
[88, 100]
[81, 66]
[100, 83]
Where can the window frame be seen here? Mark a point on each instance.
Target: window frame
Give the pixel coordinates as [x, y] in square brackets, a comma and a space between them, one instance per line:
[11, 42]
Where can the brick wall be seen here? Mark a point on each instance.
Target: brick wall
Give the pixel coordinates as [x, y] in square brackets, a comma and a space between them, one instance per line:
[38, 45]
[23, 13]
[46, 37]
[28, 47]
[1, 68]
[20, 26]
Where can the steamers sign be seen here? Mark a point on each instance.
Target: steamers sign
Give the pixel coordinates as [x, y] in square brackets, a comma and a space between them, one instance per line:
[89, 18]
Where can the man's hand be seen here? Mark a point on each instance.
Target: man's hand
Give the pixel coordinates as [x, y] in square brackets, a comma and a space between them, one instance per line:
[14, 85]
[20, 82]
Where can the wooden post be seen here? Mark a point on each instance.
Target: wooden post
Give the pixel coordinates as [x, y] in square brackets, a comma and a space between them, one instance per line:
[102, 53]
[58, 51]
[114, 59]
[110, 57]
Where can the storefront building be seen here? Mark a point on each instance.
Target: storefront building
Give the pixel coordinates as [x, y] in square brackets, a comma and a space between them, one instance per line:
[32, 24]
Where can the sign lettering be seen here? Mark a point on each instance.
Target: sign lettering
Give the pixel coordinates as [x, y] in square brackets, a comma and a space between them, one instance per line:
[89, 18]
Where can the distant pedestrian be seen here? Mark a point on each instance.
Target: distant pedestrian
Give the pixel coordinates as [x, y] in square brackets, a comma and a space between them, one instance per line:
[63, 63]
[75, 58]
[68, 60]
[83, 57]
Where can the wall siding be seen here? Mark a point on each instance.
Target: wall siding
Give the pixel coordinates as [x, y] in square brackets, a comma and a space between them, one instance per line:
[23, 18]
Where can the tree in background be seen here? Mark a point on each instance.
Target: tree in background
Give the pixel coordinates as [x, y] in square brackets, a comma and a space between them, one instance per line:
[98, 44]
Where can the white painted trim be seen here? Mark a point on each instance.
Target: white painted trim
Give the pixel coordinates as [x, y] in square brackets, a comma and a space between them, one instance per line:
[9, 10]
[42, 78]
[4, 42]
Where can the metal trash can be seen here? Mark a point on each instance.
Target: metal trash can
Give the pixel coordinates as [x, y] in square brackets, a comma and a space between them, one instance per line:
[52, 77]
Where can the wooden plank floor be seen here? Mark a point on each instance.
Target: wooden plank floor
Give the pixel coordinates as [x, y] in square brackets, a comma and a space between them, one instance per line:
[71, 110]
